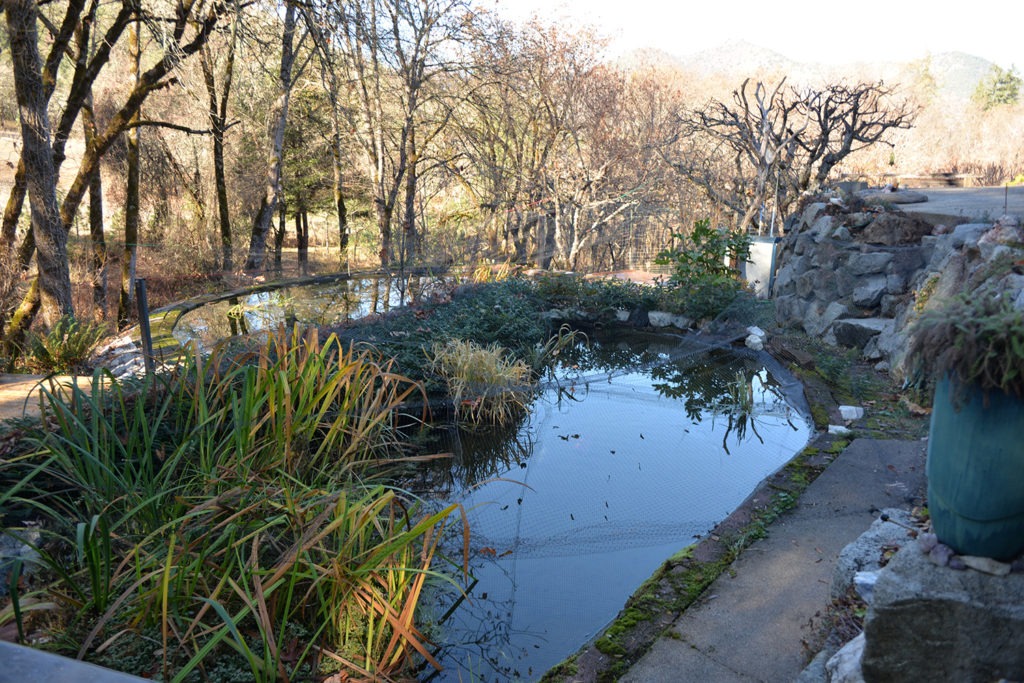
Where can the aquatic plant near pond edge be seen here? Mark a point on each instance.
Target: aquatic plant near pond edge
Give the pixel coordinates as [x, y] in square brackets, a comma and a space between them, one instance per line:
[484, 384]
[205, 507]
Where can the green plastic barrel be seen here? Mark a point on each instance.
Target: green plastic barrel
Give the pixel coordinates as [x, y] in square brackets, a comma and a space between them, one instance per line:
[976, 472]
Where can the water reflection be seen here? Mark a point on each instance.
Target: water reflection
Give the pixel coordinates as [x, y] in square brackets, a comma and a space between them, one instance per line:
[640, 446]
[321, 302]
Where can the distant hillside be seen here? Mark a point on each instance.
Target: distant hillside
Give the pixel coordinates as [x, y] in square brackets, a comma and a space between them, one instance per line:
[956, 74]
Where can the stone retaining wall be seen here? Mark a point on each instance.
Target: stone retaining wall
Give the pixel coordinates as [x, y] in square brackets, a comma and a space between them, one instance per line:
[857, 276]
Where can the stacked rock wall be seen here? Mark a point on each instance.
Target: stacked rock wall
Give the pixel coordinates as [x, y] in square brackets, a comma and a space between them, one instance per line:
[857, 275]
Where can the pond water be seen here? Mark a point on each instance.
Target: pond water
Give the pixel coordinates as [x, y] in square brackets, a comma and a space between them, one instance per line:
[641, 445]
[320, 301]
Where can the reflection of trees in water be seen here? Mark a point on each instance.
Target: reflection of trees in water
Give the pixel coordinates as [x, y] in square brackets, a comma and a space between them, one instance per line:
[722, 384]
[484, 647]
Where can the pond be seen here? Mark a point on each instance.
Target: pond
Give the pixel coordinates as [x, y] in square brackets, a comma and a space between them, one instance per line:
[638, 448]
[634, 448]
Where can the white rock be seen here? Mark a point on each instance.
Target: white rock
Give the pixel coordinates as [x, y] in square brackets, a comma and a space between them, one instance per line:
[986, 565]
[864, 582]
[838, 429]
[757, 331]
[754, 342]
[851, 413]
[844, 666]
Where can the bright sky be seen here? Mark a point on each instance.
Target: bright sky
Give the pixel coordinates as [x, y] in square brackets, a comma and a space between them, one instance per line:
[804, 30]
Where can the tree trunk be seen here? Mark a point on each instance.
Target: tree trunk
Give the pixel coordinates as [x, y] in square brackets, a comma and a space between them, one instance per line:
[99, 244]
[409, 246]
[12, 211]
[218, 107]
[272, 192]
[20, 322]
[41, 177]
[303, 239]
[279, 237]
[339, 196]
[129, 259]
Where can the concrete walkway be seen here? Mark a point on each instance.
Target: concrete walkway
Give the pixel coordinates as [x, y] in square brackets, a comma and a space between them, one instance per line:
[954, 205]
[19, 394]
[751, 623]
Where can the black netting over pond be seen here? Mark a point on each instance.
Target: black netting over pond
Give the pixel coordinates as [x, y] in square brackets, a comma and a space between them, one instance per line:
[639, 445]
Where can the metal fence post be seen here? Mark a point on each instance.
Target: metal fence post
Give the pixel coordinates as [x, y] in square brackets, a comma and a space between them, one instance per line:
[147, 337]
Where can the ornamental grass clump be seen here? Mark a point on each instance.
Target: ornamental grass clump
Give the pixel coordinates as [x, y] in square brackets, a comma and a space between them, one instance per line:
[227, 513]
[975, 340]
[485, 385]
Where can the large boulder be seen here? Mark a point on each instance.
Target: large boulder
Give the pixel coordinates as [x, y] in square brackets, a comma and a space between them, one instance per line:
[868, 551]
[932, 623]
[893, 229]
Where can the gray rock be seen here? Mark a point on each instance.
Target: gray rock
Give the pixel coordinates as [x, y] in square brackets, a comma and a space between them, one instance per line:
[932, 243]
[865, 553]
[907, 261]
[816, 323]
[856, 332]
[790, 310]
[814, 672]
[930, 623]
[888, 307]
[850, 413]
[842, 233]
[665, 319]
[859, 219]
[869, 293]
[888, 196]
[845, 282]
[845, 665]
[825, 255]
[785, 280]
[864, 584]
[968, 234]
[812, 212]
[895, 284]
[993, 250]
[869, 263]
[822, 227]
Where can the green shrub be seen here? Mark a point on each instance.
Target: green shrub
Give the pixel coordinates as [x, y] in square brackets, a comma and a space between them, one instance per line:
[702, 283]
[65, 347]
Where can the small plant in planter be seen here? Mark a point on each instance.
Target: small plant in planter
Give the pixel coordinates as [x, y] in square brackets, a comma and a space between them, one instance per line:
[972, 347]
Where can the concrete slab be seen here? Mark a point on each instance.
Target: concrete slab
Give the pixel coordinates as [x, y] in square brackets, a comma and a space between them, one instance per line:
[21, 664]
[955, 205]
[752, 622]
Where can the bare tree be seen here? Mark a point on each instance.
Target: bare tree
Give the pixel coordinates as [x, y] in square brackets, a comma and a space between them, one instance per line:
[770, 144]
[218, 113]
[179, 34]
[393, 49]
[291, 39]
